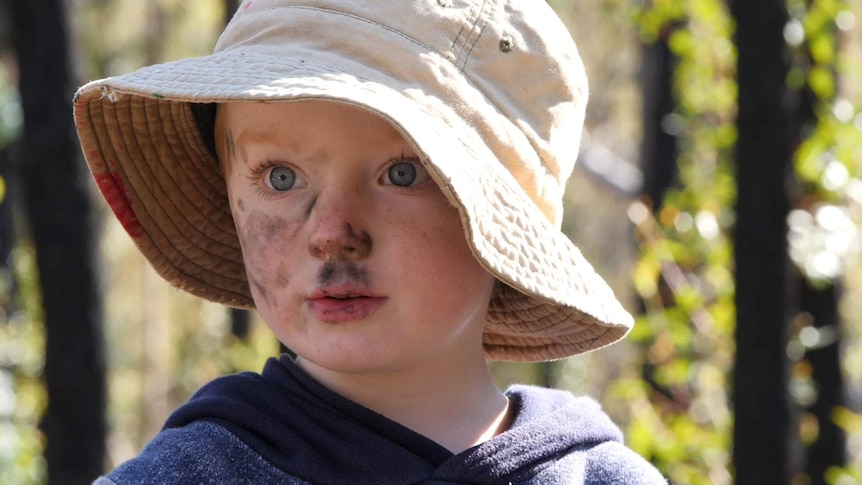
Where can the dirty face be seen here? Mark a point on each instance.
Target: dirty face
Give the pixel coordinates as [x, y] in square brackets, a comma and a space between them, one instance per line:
[355, 259]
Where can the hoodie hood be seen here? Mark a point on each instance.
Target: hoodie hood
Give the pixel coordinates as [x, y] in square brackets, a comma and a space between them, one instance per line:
[314, 434]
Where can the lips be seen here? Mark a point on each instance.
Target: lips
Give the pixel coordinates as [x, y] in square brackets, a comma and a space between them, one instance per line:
[343, 304]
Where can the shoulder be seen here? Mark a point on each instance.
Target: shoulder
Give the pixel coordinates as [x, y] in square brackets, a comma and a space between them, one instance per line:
[540, 400]
[576, 420]
[608, 463]
[588, 447]
[613, 463]
[202, 452]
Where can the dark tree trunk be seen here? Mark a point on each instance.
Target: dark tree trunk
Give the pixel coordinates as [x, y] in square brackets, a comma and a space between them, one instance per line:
[61, 221]
[764, 431]
[659, 151]
[658, 146]
[830, 448]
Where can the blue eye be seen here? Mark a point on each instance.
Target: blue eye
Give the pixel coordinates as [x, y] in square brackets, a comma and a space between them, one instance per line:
[405, 173]
[282, 178]
[402, 174]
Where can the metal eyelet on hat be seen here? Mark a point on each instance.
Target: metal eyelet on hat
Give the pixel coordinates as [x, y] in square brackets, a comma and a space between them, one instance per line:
[506, 44]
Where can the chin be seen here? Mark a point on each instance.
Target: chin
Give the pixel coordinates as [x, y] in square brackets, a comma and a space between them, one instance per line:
[346, 362]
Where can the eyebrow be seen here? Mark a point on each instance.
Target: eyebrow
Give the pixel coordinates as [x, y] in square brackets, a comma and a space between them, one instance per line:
[249, 136]
[253, 136]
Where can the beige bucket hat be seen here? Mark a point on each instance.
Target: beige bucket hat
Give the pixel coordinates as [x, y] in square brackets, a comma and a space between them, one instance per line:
[492, 94]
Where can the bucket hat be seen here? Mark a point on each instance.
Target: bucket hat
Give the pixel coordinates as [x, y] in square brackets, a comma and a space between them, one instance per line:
[491, 94]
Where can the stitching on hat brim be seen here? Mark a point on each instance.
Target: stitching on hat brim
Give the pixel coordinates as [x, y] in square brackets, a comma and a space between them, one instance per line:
[167, 204]
[164, 264]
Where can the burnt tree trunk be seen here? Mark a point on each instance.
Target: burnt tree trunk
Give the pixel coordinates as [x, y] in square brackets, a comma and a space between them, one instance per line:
[61, 221]
[830, 448]
[658, 146]
[659, 150]
[764, 431]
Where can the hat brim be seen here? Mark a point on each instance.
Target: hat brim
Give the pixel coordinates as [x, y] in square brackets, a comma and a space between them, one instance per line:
[141, 141]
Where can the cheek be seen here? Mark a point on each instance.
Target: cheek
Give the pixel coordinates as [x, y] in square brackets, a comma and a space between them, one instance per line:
[445, 259]
[266, 242]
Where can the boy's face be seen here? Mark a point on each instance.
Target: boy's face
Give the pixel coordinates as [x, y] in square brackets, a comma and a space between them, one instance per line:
[355, 259]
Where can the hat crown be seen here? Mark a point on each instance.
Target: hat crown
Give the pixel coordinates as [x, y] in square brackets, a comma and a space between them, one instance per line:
[509, 69]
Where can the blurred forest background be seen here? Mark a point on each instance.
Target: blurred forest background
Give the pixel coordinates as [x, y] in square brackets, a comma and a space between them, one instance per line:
[719, 190]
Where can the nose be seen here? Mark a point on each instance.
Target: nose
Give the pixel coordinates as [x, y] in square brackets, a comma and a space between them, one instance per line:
[338, 233]
[342, 244]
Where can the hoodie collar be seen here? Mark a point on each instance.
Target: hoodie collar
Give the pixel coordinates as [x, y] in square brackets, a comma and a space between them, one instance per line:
[315, 434]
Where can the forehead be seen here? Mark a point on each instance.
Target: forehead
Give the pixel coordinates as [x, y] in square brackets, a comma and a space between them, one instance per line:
[303, 122]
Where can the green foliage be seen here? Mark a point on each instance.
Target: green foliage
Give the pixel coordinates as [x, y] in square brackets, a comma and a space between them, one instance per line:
[824, 225]
[652, 20]
[851, 423]
[22, 393]
[680, 413]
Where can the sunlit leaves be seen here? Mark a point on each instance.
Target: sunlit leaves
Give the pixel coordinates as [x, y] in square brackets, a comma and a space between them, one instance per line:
[822, 82]
[681, 419]
[686, 285]
[22, 392]
[819, 241]
[652, 18]
[829, 158]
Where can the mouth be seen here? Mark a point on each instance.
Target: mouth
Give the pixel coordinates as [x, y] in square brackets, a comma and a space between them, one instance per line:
[346, 297]
[340, 305]
[341, 293]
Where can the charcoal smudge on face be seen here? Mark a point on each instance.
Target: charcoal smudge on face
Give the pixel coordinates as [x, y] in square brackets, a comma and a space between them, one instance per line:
[228, 149]
[281, 277]
[340, 272]
[243, 155]
[262, 237]
[311, 206]
[260, 289]
[254, 283]
[268, 228]
[361, 243]
[262, 233]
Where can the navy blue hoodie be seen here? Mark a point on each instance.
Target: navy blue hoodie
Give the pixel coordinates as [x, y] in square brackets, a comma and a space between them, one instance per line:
[282, 427]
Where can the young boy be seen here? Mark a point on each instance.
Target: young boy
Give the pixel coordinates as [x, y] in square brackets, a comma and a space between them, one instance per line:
[383, 182]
